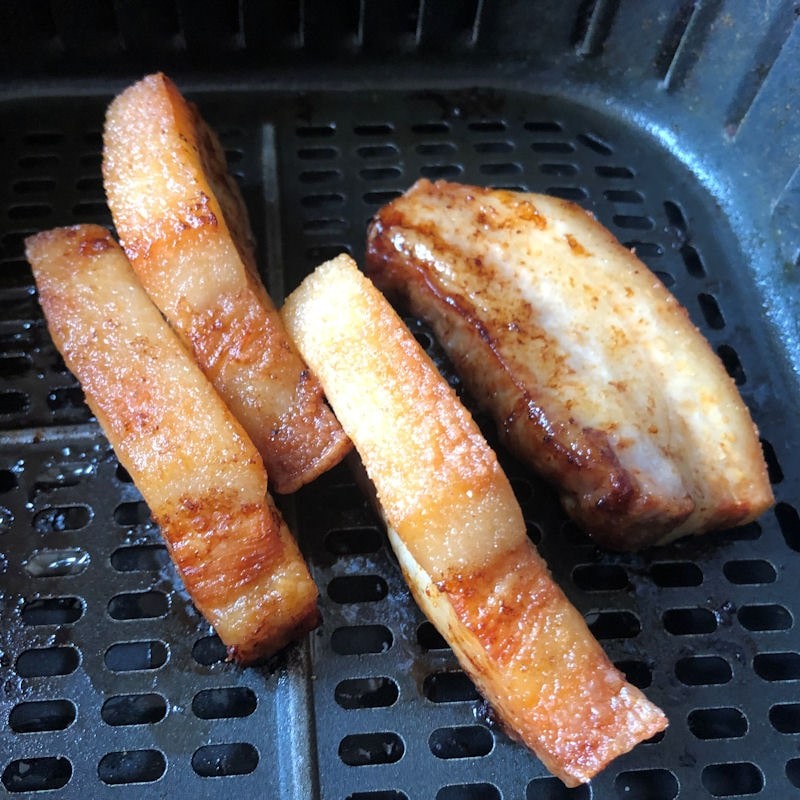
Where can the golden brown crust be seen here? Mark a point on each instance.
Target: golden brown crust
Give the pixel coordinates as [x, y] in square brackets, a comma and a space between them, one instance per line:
[591, 369]
[201, 476]
[459, 533]
[183, 224]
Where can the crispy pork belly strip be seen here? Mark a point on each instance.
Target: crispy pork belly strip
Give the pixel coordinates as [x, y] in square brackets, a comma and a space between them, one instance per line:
[459, 533]
[592, 370]
[184, 226]
[192, 461]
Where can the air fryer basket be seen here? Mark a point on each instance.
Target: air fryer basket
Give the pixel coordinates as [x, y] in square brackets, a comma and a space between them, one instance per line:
[677, 124]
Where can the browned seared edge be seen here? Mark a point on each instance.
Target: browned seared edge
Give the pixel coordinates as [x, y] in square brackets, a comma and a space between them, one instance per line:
[199, 473]
[183, 223]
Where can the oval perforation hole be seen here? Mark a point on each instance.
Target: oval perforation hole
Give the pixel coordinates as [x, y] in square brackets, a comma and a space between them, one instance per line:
[379, 198]
[449, 687]
[380, 173]
[131, 766]
[361, 639]
[66, 398]
[600, 577]
[469, 791]
[134, 709]
[325, 226]
[316, 131]
[58, 519]
[138, 605]
[543, 126]
[614, 624]
[609, 171]
[326, 252]
[774, 468]
[733, 366]
[323, 201]
[694, 265]
[228, 702]
[655, 784]
[379, 692]
[14, 366]
[440, 171]
[362, 749]
[689, 621]
[674, 574]
[42, 715]
[462, 741]
[777, 666]
[732, 779]
[353, 541]
[717, 723]
[13, 402]
[487, 148]
[749, 572]
[487, 126]
[52, 611]
[426, 128]
[57, 563]
[25, 211]
[596, 143]
[634, 222]
[789, 523]
[383, 794]
[636, 672]
[500, 168]
[552, 147]
[8, 481]
[33, 185]
[209, 650]
[793, 771]
[134, 656]
[47, 661]
[37, 774]
[317, 153]
[435, 148]
[319, 175]
[373, 129]
[377, 151]
[429, 638]
[623, 196]
[766, 617]
[550, 788]
[560, 170]
[218, 760]
[130, 514]
[140, 558]
[785, 717]
[665, 278]
[574, 193]
[347, 589]
[703, 670]
[712, 313]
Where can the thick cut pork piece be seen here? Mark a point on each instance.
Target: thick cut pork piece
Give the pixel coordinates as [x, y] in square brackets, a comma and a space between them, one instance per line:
[192, 461]
[459, 534]
[592, 370]
[183, 224]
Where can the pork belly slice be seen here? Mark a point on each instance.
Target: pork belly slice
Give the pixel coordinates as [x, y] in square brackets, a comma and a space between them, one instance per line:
[591, 369]
[459, 534]
[184, 226]
[192, 461]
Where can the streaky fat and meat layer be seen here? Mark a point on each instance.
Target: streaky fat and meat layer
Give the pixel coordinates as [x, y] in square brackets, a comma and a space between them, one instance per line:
[592, 370]
[182, 221]
[192, 461]
[459, 534]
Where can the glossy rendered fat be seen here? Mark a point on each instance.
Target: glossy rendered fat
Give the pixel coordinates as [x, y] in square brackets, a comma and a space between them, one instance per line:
[459, 533]
[182, 222]
[196, 468]
[591, 368]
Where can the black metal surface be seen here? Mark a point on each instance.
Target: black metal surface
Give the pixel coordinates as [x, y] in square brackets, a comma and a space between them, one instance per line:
[111, 683]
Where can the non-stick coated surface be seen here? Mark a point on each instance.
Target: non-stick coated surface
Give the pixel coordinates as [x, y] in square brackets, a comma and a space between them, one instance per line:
[113, 685]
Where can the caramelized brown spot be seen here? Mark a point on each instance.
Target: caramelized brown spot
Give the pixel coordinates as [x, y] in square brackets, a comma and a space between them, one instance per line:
[575, 245]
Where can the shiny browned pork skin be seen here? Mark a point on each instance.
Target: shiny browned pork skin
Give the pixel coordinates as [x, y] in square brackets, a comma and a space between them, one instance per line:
[196, 468]
[184, 226]
[592, 370]
[459, 533]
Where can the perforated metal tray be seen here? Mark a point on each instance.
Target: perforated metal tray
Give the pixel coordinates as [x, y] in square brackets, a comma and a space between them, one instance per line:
[113, 685]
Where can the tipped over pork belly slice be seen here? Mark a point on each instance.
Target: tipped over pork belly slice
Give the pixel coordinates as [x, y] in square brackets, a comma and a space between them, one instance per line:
[183, 223]
[591, 369]
[192, 461]
[459, 534]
